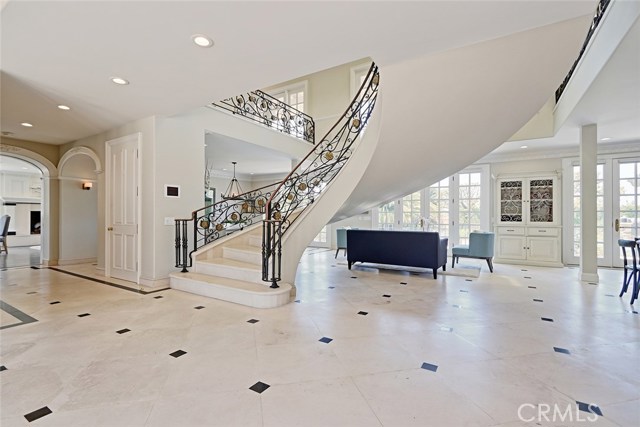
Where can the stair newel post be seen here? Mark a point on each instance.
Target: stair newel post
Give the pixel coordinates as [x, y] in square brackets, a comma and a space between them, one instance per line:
[275, 261]
[266, 232]
[185, 247]
[277, 276]
[178, 243]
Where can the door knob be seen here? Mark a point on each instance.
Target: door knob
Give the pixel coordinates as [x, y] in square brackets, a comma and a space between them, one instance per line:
[617, 225]
[110, 229]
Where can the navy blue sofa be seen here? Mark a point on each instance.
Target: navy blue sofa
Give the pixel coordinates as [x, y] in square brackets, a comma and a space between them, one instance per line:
[423, 249]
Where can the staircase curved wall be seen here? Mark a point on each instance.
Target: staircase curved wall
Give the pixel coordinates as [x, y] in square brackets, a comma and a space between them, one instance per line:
[447, 110]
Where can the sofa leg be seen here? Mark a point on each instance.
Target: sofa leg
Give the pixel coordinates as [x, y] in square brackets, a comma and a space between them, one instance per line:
[349, 263]
[435, 273]
[444, 267]
[490, 263]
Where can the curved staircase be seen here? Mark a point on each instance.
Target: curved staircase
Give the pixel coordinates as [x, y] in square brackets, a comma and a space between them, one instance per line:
[435, 116]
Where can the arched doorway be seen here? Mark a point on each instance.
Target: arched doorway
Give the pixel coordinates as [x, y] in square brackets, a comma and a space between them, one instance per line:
[48, 199]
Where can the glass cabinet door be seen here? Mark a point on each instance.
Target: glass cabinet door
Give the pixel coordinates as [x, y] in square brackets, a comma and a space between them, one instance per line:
[511, 192]
[541, 200]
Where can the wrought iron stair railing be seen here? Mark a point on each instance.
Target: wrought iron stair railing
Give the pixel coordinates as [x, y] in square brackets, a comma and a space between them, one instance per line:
[597, 17]
[271, 112]
[311, 176]
[275, 204]
[218, 220]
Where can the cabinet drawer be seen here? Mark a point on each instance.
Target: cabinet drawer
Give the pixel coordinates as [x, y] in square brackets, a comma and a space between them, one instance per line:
[541, 231]
[516, 231]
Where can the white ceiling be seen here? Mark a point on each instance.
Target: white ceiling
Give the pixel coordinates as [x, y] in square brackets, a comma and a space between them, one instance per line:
[11, 164]
[252, 159]
[64, 52]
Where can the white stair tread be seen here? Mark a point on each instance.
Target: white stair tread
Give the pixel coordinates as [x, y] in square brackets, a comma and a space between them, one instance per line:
[244, 247]
[231, 263]
[232, 283]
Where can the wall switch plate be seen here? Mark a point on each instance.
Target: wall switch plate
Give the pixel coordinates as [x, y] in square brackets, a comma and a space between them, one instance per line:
[169, 220]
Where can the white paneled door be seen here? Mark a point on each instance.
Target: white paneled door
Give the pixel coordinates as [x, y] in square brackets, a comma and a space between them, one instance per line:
[122, 212]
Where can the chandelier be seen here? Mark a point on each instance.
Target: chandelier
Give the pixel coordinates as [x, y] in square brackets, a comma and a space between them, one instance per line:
[233, 190]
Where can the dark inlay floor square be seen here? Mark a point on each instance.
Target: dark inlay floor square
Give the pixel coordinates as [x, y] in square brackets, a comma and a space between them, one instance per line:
[123, 331]
[537, 300]
[591, 283]
[332, 287]
[467, 280]
[31, 293]
[36, 268]
[609, 295]
[200, 307]
[158, 297]
[386, 296]
[3, 368]
[252, 321]
[547, 319]
[259, 387]
[403, 283]
[38, 413]
[429, 367]
[54, 302]
[589, 407]
[354, 277]
[84, 314]
[561, 350]
[457, 306]
[298, 301]
[325, 340]
[462, 290]
[532, 287]
[524, 270]
[363, 313]
[527, 277]
[178, 353]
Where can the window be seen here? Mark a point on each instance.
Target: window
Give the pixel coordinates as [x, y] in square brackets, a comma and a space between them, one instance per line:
[439, 207]
[292, 95]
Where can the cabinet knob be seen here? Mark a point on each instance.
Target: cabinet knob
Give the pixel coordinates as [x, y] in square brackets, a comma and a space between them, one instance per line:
[109, 228]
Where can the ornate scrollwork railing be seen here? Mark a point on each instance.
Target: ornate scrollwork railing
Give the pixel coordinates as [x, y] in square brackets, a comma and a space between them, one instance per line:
[600, 9]
[271, 112]
[294, 193]
[305, 183]
[218, 220]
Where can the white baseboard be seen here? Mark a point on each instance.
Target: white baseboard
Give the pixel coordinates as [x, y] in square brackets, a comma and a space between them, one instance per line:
[155, 283]
[589, 277]
[77, 261]
[50, 262]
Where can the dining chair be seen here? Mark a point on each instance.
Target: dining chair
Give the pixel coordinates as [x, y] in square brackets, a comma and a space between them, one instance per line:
[631, 268]
[4, 231]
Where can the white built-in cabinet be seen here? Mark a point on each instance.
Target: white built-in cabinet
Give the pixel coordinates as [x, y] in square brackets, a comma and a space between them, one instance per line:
[528, 229]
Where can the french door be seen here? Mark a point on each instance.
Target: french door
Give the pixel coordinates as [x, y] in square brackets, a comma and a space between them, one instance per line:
[453, 207]
[617, 198]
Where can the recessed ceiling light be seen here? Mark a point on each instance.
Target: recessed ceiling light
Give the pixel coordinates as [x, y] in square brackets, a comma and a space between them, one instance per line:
[605, 139]
[27, 125]
[64, 107]
[119, 81]
[202, 40]
[524, 146]
[25, 168]
[224, 169]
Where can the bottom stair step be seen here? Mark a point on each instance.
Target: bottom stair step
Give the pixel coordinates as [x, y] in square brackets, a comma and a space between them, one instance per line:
[237, 291]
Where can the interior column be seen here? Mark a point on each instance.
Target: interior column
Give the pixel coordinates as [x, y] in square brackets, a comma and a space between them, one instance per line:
[588, 208]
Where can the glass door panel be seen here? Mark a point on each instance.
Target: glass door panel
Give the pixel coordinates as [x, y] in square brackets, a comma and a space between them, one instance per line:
[511, 201]
[386, 216]
[626, 206]
[411, 211]
[469, 191]
[439, 207]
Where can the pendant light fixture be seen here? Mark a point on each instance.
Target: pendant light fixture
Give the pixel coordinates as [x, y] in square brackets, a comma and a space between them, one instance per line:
[233, 190]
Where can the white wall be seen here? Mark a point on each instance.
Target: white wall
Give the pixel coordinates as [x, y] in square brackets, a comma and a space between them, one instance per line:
[78, 212]
[328, 94]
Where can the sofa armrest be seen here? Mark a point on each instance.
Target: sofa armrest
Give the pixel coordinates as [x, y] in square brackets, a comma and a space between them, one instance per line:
[442, 251]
